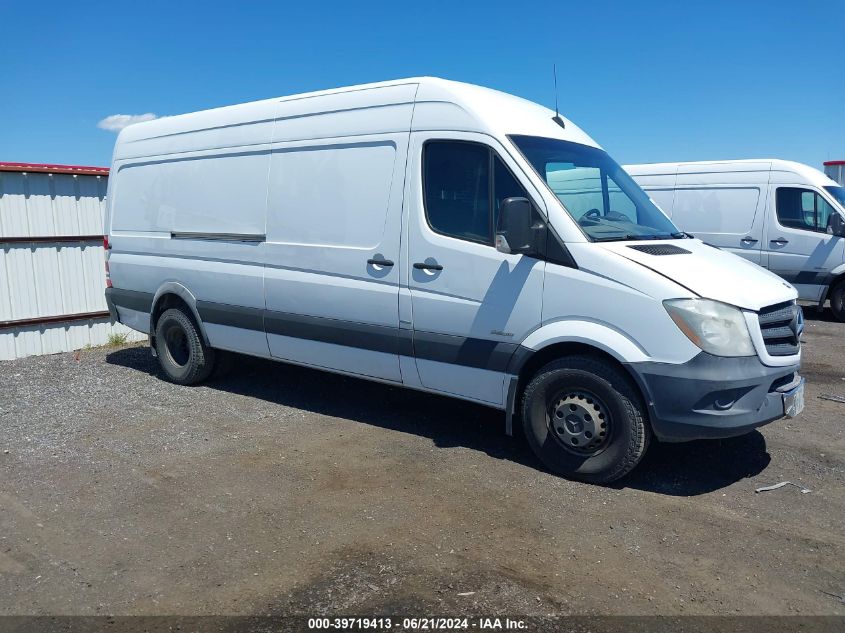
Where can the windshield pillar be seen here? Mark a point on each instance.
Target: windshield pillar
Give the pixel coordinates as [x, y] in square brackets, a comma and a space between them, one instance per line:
[605, 192]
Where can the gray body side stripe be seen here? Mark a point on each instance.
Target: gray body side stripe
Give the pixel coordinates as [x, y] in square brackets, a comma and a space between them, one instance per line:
[468, 352]
[234, 316]
[809, 277]
[444, 348]
[131, 299]
[376, 338]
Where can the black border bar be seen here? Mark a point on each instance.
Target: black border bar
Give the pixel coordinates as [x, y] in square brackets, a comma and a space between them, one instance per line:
[476, 622]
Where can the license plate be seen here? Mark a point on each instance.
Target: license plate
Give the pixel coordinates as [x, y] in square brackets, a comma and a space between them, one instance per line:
[793, 401]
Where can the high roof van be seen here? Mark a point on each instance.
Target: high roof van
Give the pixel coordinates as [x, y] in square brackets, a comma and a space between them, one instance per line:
[784, 216]
[453, 239]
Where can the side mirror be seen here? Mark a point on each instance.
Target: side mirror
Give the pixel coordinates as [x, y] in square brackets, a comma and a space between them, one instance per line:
[514, 234]
[837, 224]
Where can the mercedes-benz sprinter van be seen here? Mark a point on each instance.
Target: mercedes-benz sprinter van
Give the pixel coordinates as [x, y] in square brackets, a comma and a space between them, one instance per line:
[785, 216]
[453, 239]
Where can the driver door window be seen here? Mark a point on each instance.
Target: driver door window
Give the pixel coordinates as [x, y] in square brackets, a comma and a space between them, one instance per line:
[802, 209]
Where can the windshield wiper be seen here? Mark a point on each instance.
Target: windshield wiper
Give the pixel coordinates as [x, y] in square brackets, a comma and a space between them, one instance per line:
[628, 237]
[659, 236]
[632, 237]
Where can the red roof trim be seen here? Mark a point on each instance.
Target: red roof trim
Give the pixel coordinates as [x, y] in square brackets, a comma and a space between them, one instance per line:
[828, 163]
[55, 169]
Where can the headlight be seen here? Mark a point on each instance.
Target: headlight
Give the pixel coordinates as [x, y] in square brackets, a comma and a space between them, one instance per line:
[717, 328]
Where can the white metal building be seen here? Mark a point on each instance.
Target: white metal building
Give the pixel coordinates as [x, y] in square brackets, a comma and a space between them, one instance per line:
[835, 170]
[52, 274]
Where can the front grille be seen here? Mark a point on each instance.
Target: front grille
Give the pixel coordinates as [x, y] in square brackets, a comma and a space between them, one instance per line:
[660, 249]
[781, 327]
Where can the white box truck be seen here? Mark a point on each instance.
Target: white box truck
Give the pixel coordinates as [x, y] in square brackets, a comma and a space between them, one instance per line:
[449, 238]
[782, 215]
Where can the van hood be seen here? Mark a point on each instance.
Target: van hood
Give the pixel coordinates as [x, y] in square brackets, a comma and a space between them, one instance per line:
[710, 272]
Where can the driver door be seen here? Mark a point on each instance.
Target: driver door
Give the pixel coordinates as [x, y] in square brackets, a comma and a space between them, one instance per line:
[799, 247]
[471, 304]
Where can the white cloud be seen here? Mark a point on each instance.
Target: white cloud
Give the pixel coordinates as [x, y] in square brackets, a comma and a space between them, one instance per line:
[116, 122]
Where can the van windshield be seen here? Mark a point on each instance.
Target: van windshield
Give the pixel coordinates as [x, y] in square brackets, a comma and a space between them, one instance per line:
[838, 193]
[605, 201]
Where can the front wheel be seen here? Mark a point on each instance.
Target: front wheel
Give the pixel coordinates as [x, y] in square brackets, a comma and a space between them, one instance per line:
[837, 301]
[585, 420]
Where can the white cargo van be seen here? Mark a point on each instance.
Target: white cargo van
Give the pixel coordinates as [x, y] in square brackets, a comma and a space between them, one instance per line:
[785, 216]
[453, 239]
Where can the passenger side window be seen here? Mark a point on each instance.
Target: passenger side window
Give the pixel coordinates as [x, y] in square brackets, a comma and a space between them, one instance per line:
[802, 209]
[461, 199]
[823, 213]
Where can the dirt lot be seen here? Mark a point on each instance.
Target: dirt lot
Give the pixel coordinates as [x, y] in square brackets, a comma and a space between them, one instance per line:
[283, 490]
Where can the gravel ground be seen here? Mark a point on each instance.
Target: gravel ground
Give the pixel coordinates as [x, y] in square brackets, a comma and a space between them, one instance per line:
[280, 490]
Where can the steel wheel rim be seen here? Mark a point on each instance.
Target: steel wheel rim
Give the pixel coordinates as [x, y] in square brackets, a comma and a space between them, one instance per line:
[176, 345]
[579, 421]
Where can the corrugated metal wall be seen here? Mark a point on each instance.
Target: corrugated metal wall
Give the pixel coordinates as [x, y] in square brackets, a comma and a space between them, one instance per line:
[835, 171]
[44, 279]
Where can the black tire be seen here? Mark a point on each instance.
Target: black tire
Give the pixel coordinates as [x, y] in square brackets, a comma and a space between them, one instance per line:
[600, 431]
[183, 356]
[837, 301]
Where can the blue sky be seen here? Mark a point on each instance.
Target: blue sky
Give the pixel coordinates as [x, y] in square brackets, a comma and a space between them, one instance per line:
[651, 81]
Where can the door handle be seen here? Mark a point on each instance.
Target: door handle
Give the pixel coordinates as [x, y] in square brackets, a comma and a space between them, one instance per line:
[379, 262]
[779, 241]
[424, 266]
[748, 241]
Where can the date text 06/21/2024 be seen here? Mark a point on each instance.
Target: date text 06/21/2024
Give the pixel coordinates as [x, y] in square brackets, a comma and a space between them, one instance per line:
[417, 624]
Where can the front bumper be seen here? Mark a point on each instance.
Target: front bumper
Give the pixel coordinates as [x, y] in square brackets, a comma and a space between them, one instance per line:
[713, 397]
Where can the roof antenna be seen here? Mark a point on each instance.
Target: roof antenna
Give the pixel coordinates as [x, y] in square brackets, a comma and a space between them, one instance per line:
[557, 118]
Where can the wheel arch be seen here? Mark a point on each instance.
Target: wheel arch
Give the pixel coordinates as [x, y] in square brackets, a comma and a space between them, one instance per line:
[837, 277]
[837, 281]
[596, 341]
[834, 278]
[174, 295]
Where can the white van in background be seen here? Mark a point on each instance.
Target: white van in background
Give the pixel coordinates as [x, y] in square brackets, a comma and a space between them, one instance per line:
[430, 234]
[784, 216]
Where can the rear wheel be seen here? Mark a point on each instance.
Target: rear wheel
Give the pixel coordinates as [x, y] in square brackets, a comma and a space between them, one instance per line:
[837, 301]
[183, 356]
[585, 420]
